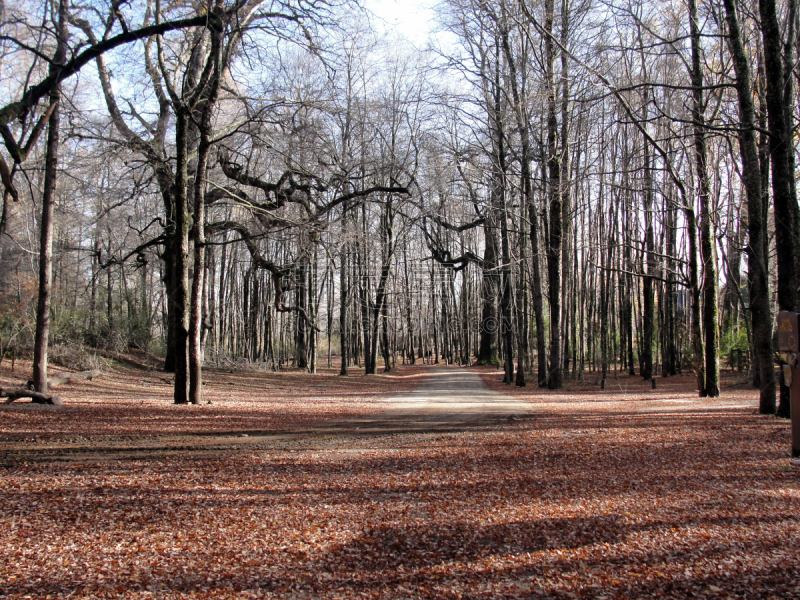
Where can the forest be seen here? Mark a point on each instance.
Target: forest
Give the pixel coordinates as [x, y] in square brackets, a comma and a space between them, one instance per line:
[319, 308]
[557, 188]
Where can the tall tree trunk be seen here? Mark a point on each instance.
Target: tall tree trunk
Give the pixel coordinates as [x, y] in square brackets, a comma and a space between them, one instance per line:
[522, 305]
[198, 282]
[93, 329]
[554, 185]
[379, 308]
[48, 199]
[500, 215]
[208, 101]
[507, 326]
[343, 291]
[648, 294]
[787, 216]
[523, 129]
[302, 301]
[648, 299]
[329, 309]
[313, 310]
[434, 313]
[671, 356]
[565, 185]
[626, 282]
[385, 352]
[179, 231]
[222, 314]
[109, 301]
[758, 272]
[408, 348]
[698, 346]
[708, 248]
[487, 349]
[364, 292]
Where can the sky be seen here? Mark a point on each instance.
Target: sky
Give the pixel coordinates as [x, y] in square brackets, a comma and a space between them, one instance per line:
[413, 19]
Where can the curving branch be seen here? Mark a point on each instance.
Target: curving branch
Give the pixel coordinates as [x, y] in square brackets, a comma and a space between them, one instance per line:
[283, 191]
[278, 272]
[286, 189]
[444, 257]
[156, 241]
[457, 228]
[32, 96]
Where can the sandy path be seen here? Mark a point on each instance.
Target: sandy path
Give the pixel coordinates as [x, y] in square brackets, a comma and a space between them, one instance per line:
[453, 394]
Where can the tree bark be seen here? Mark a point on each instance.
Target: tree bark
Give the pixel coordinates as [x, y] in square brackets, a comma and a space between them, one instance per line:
[507, 326]
[648, 295]
[178, 230]
[387, 252]
[48, 199]
[787, 216]
[207, 99]
[487, 349]
[36, 397]
[364, 291]
[708, 248]
[554, 191]
[565, 185]
[302, 273]
[758, 272]
[343, 291]
[523, 129]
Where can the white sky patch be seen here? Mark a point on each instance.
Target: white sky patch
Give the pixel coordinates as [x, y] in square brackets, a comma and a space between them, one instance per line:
[411, 19]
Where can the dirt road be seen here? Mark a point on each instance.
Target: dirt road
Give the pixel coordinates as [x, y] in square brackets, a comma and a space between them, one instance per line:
[453, 395]
[446, 399]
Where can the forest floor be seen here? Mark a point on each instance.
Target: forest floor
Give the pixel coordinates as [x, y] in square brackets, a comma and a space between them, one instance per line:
[431, 482]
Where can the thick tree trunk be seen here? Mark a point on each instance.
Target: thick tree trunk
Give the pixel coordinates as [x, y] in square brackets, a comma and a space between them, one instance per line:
[48, 199]
[758, 272]
[301, 328]
[209, 100]
[377, 311]
[487, 349]
[198, 283]
[385, 351]
[379, 308]
[554, 191]
[329, 311]
[499, 214]
[787, 216]
[179, 227]
[170, 288]
[694, 288]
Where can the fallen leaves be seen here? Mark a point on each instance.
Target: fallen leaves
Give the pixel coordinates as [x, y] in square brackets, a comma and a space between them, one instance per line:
[591, 498]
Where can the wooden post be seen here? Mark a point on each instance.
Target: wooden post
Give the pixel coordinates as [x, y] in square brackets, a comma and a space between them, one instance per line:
[789, 346]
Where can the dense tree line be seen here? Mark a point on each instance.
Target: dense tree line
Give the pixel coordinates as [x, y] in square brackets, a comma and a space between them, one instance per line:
[556, 187]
